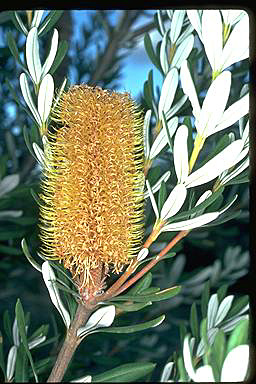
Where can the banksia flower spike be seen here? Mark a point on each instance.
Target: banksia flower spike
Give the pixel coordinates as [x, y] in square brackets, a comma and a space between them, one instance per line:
[91, 217]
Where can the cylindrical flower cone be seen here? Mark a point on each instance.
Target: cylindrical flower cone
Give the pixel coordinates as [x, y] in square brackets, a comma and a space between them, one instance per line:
[92, 214]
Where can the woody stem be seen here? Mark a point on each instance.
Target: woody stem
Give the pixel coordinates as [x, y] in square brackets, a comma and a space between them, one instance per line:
[70, 344]
[152, 263]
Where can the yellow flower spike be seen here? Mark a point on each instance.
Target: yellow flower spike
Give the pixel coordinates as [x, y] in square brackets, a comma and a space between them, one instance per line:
[93, 207]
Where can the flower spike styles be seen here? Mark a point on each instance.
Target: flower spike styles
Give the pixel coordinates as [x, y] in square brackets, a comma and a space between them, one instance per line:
[93, 210]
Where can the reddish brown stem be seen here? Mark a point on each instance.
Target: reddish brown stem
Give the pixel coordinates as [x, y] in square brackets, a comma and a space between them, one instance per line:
[70, 344]
[153, 262]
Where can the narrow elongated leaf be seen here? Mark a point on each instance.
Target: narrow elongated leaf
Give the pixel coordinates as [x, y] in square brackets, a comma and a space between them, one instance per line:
[157, 185]
[182, 52]
[239, 335]
[45, 97]
[132, 307]
[159, 143]
[180, 153]
[62, 50]
[51, 56]
[152, 198]
[162, 195]
[135, 328]
[194, 321]
[218, 351]
[205, 299]
[32, 55]
[8, 183]
[49, 279]
[189, 88]
[150, 51]
[18, 23]
[38, 153]
[161, 295]
[146, 133]
[13, 48]
[125, 373]
[168, 91]
[7, 325]
[174, 202]
[212, 311]
[103, 317]
[176, 24]
[214, 167]
[223, 309]
[49, 21]
[15, 333]
[142, 284]
[212, 36]
[28, 98]
[163, 54]
[192, 223]
[214, 104]
[235, 50]
[240, 306]
[21, 367]
[37, 18]
[25, 249]
[174, 109]
[22, 330]
[166, 372]
[233, 113]
[11, 361]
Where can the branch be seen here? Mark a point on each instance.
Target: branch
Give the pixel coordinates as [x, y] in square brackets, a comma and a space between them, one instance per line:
[119, 34]
[70, 344]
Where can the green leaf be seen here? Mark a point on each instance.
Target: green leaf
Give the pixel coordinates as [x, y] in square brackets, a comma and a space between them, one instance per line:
[150, 51]
[18, 23]
[205, 298]
[182, 372]
[200, 207]
[13, 48]
[2, 363]
[162, 194]
[21, 366]
[29, 257]
[62, 50]
[41, 331]
[7, 325]
[183, 332]
[237, 306]
[221, 292]
[167, 256]
[194, 321]
[203, 332]
[65, 288]
[134, 328]
[217, 353]
[132, 307]
[143, 283]
[22, 330]
[239, 335]
[125, 373]
[49, 22]
[223, 218]
[162, 295]
[27, 140]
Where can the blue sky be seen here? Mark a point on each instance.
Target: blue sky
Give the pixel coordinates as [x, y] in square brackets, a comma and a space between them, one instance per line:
[136, 64]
